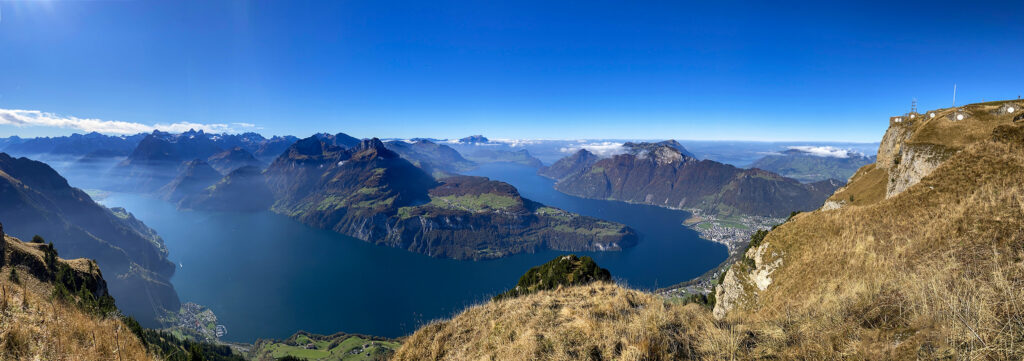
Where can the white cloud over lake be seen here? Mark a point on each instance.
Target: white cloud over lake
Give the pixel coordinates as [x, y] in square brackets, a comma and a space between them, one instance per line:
[824, 151]
[28, 118]
[602, 149]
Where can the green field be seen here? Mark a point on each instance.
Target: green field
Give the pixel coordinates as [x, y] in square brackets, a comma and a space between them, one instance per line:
[476, 202]
[345, 348]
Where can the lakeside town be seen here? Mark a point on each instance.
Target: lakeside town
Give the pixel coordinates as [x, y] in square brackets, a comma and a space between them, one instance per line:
[196, 321]
[732, 231]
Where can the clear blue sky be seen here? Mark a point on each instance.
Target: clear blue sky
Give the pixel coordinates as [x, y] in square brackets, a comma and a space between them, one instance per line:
[761, 70]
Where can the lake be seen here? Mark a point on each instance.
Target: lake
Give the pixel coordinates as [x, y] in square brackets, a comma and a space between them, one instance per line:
[267, 276]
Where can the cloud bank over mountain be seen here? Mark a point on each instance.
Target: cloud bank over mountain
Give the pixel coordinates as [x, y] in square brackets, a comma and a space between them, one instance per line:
[27, 118]
[602, 149]
[825, 151]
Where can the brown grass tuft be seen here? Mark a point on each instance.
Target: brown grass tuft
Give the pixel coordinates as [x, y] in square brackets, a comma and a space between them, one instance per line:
[37, 327]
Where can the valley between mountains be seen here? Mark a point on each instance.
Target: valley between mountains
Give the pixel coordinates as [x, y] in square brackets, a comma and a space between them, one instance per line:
[420, 200]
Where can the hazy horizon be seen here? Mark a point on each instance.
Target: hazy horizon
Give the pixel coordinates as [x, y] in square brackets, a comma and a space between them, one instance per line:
[757, 72]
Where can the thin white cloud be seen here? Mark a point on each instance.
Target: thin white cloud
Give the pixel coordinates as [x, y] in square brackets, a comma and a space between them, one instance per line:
[26, 118]
[602, 149]
[517, 142]
[825, 151]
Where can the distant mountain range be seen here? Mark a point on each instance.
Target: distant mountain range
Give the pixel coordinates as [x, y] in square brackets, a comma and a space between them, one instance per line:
[809, 165]
[665, 174]
[34, 199]
[430, 156]
[312, 180]
[75, 144]
[152, 164]
[370, 192]
[479, 149]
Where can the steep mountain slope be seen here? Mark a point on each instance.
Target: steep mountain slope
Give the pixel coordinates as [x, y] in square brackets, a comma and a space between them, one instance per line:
[371, 193]
[924, 262]
[244, 189]
[430, 156]
[273, 147]
[57, 309]
[931, 272]
[193, 177]
[570, 166]
[52, 308]
[227, 161]
[661, 174]
[34, 199]
[808, 167]
[155, 161]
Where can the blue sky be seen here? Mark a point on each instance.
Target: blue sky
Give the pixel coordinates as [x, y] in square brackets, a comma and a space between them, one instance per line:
[739, 70]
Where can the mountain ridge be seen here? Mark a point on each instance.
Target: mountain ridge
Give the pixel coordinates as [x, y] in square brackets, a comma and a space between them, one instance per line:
[661, 174]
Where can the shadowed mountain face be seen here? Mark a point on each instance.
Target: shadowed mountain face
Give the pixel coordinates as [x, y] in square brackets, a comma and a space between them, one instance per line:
[808, 167]
[661, 174]
[193, 177]
[156, 160]
[227, 161]
[571, 165]
[244, 189]
[430, 156]
[34, 199]
[371, 193]
[273, 147]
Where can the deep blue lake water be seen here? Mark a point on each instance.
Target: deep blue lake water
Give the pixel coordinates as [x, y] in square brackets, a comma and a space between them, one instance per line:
[267, 276]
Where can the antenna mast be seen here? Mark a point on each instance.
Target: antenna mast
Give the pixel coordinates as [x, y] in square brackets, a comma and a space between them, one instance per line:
[913, 106]
[954, 95]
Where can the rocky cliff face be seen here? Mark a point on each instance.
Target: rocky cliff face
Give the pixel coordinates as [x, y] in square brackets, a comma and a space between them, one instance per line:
[660, 174]
[915, 161]
[917, 144]
[930, 174]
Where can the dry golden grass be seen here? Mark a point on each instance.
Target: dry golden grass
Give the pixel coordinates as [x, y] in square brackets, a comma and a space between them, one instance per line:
[34, 326]
[600, 321]
[867, 186]
[936, 272]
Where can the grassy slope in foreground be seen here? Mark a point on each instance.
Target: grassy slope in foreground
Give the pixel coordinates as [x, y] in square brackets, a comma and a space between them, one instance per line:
[934, 272]
[56, 309]
[37, 326]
